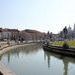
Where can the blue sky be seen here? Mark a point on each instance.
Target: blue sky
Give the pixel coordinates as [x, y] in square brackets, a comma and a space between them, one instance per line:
[42, 15]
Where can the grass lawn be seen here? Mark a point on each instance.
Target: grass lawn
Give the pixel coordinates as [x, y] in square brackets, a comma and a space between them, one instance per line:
[71, 43]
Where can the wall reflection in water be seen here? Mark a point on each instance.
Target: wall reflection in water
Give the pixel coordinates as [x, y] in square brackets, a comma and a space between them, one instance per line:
[66, 61]
[30, 49]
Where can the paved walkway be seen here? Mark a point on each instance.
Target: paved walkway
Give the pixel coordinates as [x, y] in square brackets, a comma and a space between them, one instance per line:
[5, 70]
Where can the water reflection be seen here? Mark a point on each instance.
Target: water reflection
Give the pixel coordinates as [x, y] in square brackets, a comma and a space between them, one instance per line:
[30, 49]
[65, 60]
[33, 60]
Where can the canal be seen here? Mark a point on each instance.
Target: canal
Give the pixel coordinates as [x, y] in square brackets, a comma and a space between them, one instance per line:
[33, 60]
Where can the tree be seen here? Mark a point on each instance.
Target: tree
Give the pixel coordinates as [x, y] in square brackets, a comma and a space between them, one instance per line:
[65, 32]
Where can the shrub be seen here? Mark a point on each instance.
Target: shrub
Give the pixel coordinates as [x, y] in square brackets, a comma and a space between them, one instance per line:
[65, 46]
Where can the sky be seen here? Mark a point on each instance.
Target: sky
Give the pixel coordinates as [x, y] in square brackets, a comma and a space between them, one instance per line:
[42, 15]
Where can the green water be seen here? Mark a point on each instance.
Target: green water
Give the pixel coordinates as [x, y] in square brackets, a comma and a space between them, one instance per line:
[33, 60]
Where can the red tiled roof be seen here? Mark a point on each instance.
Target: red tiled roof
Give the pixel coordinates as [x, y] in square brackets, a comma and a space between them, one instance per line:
[11, 30]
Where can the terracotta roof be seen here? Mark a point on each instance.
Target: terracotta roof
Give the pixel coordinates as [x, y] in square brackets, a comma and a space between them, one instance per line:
[11, 30]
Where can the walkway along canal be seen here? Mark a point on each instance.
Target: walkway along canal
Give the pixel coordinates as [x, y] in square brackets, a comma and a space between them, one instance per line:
[33, 60]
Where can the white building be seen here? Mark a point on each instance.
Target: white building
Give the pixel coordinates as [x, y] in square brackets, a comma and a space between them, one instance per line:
[74, 28]
[69, 29]
[6, 34]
